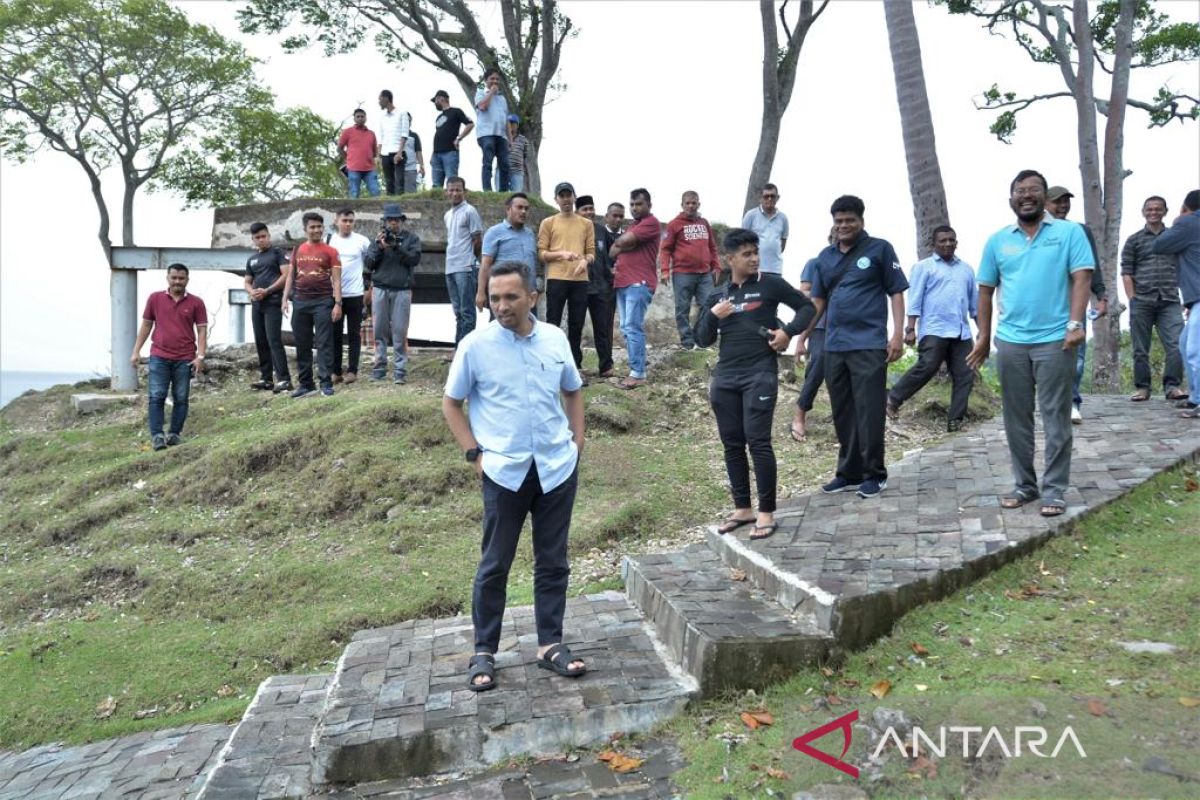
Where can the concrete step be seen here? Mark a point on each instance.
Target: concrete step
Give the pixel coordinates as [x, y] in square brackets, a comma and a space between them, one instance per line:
[726, 633]
[400, 706]
[269, 755]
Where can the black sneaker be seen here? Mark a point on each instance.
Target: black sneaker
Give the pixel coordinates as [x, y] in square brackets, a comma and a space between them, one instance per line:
[158, 442]
[1184, 404]
[954, 426]
[262, 385]
[327, 391]
[304, 391]
[283, 386]
[174, 439]
[872, 488]
[840, 484]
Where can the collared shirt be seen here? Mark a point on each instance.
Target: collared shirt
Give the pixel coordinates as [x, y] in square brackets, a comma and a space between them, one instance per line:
[771, 232]
[494, 120]
[1033, 277]
[639, 265]
[513, 387]
[944, 295]
[1182, 239]
[393, 126]
[856, 313]
[503, 242]
[462, 223]
[175, 323]
[1155, 275]
[806, 276]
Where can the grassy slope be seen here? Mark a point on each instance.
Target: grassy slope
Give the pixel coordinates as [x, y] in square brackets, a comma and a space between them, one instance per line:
[177, 581]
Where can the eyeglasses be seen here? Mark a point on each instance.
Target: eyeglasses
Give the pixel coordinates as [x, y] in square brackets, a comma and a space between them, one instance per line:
[770, 197]
[1028, 192]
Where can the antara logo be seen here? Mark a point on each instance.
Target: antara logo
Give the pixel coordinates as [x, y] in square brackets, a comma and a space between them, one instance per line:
[1032, 738]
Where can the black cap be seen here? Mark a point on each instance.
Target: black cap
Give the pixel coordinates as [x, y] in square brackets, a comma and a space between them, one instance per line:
[584, 200]
[563, 187]
[437, 94]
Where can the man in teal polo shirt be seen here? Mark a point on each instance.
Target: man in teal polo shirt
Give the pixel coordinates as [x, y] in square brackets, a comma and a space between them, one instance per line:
[1043, 269]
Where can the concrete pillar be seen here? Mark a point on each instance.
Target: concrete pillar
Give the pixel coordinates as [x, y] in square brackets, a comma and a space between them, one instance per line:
[124, 313]
[238, 318]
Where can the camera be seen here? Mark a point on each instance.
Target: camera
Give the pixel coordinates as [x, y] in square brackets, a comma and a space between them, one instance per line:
[390, 237]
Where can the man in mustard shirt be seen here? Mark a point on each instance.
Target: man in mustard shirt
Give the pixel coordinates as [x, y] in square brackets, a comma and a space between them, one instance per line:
[567, 245]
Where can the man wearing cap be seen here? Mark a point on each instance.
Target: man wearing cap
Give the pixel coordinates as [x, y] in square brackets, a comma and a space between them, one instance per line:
[359, 147]
[464, 240]
[517, 145]
[446, 137]
[688, 259]
[508, 240]
[491, 114]
[1058, 205]
[393, 136]
[567, 246]
[602, 301]
[390, 261]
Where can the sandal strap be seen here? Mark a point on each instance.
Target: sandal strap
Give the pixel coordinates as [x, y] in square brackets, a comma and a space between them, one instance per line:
[556, 650]
[482, 659]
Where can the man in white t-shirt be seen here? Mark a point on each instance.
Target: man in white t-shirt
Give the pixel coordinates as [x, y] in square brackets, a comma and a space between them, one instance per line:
[393, 135]
[351, 248]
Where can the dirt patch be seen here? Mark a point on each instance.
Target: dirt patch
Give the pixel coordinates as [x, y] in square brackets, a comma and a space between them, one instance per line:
[110, 585]
[60, 529]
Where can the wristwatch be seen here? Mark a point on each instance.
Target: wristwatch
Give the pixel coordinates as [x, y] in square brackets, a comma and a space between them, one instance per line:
[473, 454]
[1074, 326]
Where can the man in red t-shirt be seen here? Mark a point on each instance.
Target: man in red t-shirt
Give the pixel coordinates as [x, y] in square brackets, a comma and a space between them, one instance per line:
[688, 259]
[315, 275]
[635, 279]
[177, 320]
[360, 148]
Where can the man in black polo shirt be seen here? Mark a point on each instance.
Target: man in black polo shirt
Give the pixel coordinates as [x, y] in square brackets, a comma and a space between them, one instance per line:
[745, 381]
[852, 284]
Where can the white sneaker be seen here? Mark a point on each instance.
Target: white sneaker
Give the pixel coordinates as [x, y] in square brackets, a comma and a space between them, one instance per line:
[1076, 415]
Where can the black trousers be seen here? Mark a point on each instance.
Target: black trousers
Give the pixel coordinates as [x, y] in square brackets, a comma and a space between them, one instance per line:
[504, 514]
[932, 352]
[574, 297]
[391, 173]
[857, 385]
[308, 315]
[814, 370]
[744, 405]
[352, 317]
[602, 309]
[267, 320]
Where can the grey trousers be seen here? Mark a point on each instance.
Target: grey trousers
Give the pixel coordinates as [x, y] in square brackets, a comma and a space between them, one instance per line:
[1046, 371]
[390, 310]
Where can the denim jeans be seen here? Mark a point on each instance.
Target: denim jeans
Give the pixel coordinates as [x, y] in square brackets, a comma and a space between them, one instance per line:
[1080, 363]
[462, 287]
[495, 147]
[357, 178]
[687, 286]
[1190, 347]
[444, 165]
[632, 302]
[516, 180]
[166, 373]
[1145, 314]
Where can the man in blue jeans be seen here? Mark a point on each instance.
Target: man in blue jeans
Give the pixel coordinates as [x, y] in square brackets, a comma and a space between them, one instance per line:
[635, 278]
[491, 130]
[464, 242]
[1182, 240]
[179, 323]
[450, 128]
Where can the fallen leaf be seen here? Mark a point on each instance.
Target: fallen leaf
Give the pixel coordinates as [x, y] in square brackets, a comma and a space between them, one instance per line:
[754, 767]
[751, 722]
[226, 691]
[1189, 702]
[849, 683]
[919, 649]
[764, 717]
[737, 574]
[1191, 484]
[778, 774]
[1096, 708]
[881, 689]
[106, 708]
[833, 700]
[623, 764]
[827, 672]
[606, 755]
[145, 713]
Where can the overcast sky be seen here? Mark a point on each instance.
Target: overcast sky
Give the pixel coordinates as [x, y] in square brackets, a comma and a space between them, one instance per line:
[659, 94]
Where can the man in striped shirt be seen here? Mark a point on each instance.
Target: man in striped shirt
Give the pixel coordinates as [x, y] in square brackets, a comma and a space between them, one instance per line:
[1152, 286]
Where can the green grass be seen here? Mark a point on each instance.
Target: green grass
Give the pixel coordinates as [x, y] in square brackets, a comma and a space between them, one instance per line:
[1044, 628]
[179, 580]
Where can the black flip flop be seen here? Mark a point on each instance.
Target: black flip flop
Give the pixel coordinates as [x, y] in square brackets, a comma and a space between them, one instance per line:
[481, 664]
[770, 531]
[796, 437]
[556, 660]
[730, 524]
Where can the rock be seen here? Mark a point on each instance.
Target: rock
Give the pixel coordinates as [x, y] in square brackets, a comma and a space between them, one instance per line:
[1039, 709]
[893, 718]
[91, 403]
[394, 512]
[1153, 648]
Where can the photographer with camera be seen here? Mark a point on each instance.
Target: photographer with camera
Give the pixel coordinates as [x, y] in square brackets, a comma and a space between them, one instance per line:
[745, 382]
[390, 262]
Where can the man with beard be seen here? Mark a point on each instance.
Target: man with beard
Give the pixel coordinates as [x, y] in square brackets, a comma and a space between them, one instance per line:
[688, 259]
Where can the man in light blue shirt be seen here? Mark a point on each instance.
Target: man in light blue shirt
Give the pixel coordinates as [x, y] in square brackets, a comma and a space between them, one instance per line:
[491, 130]
[515, 375]
[943, 299]
[1043, 269]
[464, 237]
[509, 240]
[771, 225]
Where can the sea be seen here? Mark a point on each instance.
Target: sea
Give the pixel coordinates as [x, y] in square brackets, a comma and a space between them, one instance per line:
[14, 383]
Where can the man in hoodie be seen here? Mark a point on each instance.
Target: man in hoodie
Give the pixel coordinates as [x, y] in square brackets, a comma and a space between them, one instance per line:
[390, 262]
[687, 258]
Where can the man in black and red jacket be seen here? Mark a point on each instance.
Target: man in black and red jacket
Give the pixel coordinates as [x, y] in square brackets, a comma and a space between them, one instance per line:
[745, 382]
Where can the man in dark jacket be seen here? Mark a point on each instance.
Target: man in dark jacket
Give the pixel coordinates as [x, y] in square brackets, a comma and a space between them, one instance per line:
[600, 295]
[390, 262]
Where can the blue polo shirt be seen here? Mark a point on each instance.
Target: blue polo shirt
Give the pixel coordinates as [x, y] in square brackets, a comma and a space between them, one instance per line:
[772, 231]
[806, 276]
[1033, 278]
[857, 313]
[513, 385]
[503, 242]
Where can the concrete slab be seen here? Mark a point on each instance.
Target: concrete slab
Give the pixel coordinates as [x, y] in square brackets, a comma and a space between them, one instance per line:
[88, 403]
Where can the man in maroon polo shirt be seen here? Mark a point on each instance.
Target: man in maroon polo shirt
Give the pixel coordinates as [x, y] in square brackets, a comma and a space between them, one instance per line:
[635, 279]
[178, 320]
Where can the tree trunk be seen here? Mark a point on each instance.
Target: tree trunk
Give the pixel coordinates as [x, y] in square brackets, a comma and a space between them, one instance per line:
[1106, 373]
[127, 212]
[772, 116]
[920, 150]
[534, 189]
[102, 208]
